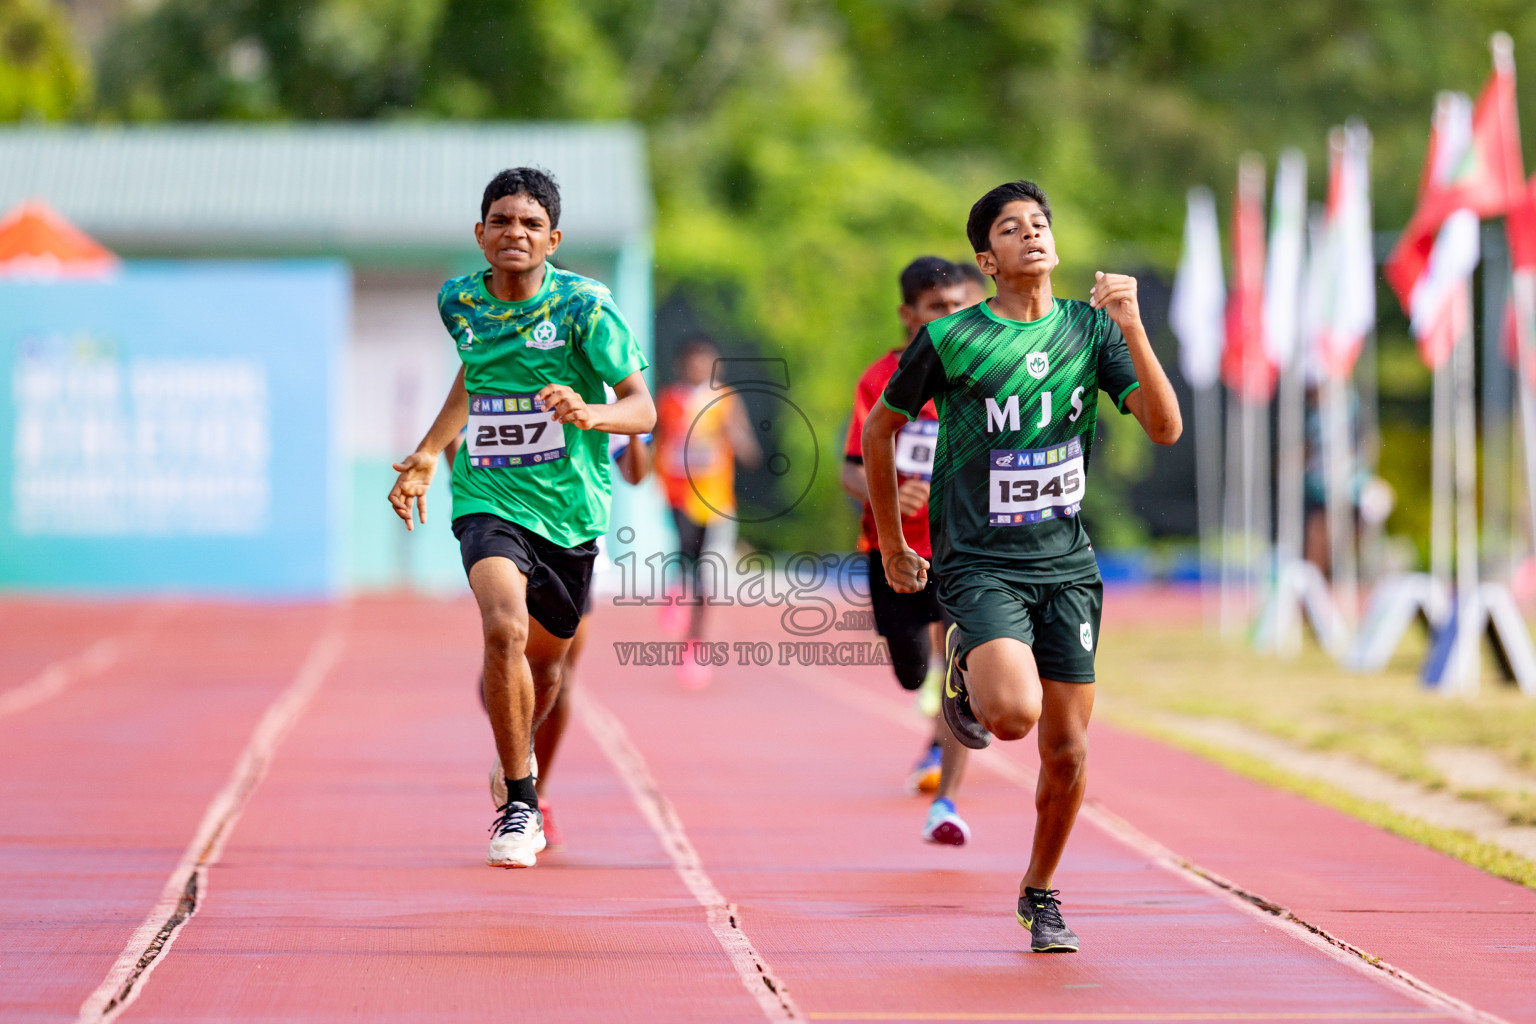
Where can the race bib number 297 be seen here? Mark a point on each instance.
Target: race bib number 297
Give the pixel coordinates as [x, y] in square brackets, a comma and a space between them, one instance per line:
[1036, 484]
[510, 431]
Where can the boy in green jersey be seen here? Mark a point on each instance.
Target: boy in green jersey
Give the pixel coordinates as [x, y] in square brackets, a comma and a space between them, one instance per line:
[531, 490]
[1016, 381]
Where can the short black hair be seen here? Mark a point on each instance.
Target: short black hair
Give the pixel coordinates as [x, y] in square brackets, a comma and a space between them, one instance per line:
[698, 344]
[978, 226]
[972, 273]
[924, 273]
[534, 182]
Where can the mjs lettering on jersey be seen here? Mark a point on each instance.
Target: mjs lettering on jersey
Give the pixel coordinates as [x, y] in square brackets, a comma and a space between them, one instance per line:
[1007, 417]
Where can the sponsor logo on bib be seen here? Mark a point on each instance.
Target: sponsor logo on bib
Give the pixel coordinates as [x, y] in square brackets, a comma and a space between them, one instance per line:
[1038, 364]
[544, 337]
[1085, 634]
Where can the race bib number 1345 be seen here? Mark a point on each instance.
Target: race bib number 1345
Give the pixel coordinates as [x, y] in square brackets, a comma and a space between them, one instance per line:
[1035, 484]
[510, 431]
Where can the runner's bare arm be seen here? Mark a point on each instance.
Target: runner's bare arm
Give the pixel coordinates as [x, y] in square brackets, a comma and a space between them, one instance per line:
[912, 494]
[854, 481]
[743, 442]
[417, 469]
[1153, 404]
[906, 570]
[635, 463]
[633, 413]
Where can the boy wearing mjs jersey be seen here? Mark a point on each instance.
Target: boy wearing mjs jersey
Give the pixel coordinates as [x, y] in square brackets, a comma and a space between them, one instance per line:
[1016, 381]
[531, 490]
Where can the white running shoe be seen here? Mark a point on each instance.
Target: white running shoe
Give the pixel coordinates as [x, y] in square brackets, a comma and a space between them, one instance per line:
[517, 836]
[499, 779]
[944, 826]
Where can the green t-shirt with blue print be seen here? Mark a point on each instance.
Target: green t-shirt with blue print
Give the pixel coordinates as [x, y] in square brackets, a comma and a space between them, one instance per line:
[570, 333]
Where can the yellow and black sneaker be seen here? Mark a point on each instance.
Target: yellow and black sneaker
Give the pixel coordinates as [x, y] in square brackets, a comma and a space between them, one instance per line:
[1040, 912]
[956, 702]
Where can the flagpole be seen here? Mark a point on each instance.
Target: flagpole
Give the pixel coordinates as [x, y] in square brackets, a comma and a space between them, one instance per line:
[1372, 532]
[1468, 615]
[1523, 295]
[1340, 503]
[1285, 311]
[1289, 506]
[1440, 525]
[1208, 500]
[1231, 518]
[1495, 409]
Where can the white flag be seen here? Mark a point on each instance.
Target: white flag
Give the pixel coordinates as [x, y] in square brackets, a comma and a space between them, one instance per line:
[1198, 309]
[1451, 263]
[1283, 269]
[1349, 299]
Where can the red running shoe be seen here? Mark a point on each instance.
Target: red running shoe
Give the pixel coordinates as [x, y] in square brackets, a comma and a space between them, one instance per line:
[553, 840]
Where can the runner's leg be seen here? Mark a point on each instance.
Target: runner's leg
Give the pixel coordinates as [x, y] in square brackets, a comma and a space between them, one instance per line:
[952, 761]
[1004, 685]
[522, 660]
[546, 739]
[547, 656]
[1063, 778]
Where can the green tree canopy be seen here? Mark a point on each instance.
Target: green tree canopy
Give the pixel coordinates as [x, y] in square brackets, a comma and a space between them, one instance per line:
[42, 77]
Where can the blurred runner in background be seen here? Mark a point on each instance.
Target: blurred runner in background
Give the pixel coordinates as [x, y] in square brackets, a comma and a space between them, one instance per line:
[910, 623]
[701, 433]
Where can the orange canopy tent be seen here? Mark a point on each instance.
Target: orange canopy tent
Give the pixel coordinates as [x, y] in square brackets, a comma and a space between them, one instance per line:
[35, 241]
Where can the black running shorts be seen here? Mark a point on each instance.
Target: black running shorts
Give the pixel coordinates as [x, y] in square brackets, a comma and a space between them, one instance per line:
[558, 578]
[1059, 621]
[898, 614]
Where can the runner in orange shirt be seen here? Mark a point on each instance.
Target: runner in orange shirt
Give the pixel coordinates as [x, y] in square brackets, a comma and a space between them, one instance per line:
[911, 623]
[701, 433]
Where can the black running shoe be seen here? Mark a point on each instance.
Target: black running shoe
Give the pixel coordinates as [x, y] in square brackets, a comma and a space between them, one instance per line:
[956, 702]
[1040, 912]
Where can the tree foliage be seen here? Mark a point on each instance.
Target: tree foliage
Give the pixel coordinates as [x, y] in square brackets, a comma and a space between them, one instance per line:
[42, 77]
[803, 150]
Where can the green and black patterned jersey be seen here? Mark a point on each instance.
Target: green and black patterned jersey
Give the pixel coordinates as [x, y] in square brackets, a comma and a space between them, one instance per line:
[1017, 405]
[517, 463]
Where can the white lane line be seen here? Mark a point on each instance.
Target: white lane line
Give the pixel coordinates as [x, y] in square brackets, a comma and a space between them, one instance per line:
[1272, 914]
[724, 918]
[188, 882]
[95, 659]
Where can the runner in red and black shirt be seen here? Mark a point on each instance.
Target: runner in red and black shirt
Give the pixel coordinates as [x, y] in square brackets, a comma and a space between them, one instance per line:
[930, 288]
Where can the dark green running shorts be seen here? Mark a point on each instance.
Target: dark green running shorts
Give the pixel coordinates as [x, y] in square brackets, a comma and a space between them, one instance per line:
[1059, 621]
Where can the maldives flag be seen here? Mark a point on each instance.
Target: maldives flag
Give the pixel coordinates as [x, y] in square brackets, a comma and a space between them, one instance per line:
[1245, 365]
[1486, 176]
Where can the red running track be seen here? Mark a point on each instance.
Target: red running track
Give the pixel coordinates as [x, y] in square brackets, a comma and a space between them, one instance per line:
[351, 883]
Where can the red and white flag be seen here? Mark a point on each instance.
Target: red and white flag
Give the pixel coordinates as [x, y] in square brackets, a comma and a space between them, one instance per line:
[1485, 173]
[1346, 299]
[1245, 365]
[1442, 299]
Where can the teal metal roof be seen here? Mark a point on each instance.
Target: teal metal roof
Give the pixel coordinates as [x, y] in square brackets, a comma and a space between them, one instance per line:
[355, 188]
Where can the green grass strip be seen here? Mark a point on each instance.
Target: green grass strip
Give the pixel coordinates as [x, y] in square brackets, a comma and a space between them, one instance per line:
[1467, 848]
